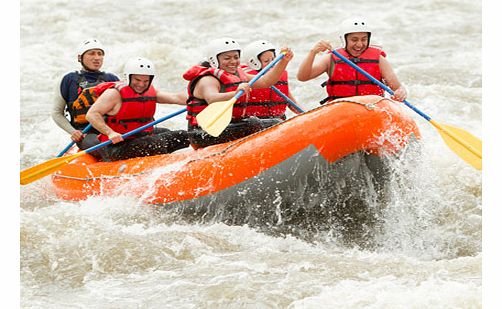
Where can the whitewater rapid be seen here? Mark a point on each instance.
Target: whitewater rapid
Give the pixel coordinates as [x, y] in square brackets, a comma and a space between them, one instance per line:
[120, 253]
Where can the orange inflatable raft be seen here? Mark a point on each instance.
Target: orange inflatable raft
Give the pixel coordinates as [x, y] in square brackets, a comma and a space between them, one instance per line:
[341, 141]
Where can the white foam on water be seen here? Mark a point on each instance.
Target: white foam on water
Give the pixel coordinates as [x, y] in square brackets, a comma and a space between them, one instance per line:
[118, 252]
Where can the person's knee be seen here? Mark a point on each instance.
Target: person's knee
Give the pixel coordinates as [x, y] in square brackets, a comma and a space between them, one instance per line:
[91, 140]
[182, 137]
[267, 123]
[158, 130]
[198, 138]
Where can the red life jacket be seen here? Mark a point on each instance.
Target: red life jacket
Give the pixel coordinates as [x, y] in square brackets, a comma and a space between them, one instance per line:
[228, 83]
[345, 81]
[99, 89]
[265, 102]
[136, 109]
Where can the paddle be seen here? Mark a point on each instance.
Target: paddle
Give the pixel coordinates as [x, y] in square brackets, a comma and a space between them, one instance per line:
[465, 145]
[41, 170]
[216, 116]
[285, 97]
[85, 130]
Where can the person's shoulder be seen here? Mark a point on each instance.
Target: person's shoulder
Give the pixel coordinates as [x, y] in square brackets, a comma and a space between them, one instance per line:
[376, 46]
[196, 71]
[110, 93]
[68, 78]
[379, 48]
[70, 75]
[208, 80]
[111, 77]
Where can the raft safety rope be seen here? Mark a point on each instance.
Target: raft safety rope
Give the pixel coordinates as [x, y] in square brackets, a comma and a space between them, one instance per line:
[368, 106]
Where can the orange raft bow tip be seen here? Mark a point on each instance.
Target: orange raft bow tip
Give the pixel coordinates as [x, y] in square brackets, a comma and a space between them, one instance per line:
[369, 124]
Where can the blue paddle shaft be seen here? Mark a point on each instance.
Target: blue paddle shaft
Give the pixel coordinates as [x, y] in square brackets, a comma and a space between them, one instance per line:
[260, 74]
[285, 97]
[379, 83]
[85, 130]
[135, 131]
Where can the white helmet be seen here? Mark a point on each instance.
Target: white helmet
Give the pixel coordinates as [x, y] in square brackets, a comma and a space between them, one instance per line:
[218, 46]
[140, 66]
[352, 25]
[88, 45]
[254, 50]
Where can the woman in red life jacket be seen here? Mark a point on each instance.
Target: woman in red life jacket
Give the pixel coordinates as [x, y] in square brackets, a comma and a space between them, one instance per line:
[124, 106]
[218, 79]
[265, 103]
[343, 80]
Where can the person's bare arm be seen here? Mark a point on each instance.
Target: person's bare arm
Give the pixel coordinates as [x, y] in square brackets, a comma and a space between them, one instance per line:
[390, 78]
[58, 110]
[178, 98]
[308, 69]
[108, 103]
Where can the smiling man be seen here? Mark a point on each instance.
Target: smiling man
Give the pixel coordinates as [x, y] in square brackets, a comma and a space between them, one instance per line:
[125, 106]
[344, 81]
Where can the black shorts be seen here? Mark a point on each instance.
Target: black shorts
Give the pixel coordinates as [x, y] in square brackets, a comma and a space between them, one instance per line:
[160, 141]
[235, 130]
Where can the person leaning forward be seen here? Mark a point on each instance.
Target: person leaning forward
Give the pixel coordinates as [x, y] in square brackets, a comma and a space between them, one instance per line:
[90, 53]
[125, 106]
[218, 79]
[345, 81]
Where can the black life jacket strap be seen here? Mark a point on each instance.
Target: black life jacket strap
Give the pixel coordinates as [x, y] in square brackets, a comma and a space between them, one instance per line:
[139, 99]
[330, 98]
[122, 121]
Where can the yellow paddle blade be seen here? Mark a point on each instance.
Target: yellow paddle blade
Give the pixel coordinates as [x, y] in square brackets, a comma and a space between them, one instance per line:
[43, 169]
[467, 146]
[216, 117]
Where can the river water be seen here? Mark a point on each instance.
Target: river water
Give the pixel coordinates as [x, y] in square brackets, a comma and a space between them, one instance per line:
[120, 253]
